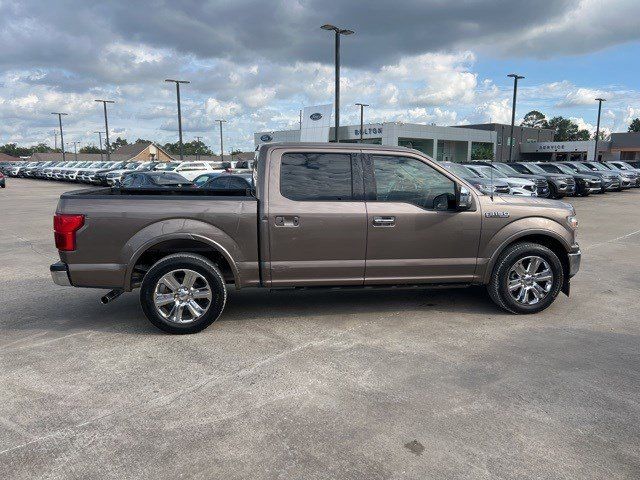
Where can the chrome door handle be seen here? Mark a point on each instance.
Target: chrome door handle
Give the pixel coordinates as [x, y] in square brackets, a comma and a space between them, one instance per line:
[287, 221]
[384, 221]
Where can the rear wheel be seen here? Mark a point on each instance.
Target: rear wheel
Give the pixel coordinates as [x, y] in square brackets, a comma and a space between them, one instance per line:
[527, 278]
[183, 293]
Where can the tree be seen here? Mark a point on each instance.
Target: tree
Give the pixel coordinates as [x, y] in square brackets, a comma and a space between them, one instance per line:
[635, 125]
[194, 147]
[602, 136]
[567, 131]
[17, 151]
[90, 149]
[535, 119]
[142, 140]
[120, 142]
[482, 151]
[235, 152]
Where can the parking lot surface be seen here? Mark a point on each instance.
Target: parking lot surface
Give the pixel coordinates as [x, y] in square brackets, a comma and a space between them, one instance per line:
[341, 385]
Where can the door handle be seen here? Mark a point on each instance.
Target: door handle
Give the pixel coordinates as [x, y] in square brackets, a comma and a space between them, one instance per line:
[287, 221]
[384, 221]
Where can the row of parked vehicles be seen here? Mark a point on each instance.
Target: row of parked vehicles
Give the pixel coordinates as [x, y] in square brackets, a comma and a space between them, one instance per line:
[134, 174]
[541, 179]
[548, 179]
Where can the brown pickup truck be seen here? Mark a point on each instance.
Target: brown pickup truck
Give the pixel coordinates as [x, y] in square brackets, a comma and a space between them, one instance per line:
[320, 215]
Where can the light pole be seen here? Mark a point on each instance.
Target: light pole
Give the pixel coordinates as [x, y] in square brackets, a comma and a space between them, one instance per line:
[338, 32]
[362, 105]
[198, 148]
[55, 140]
[75, 149]
[106, 125]
[64, 157]
[595, 148]
[515, 77]
[221, 143]
[178, 82]
[100, 140]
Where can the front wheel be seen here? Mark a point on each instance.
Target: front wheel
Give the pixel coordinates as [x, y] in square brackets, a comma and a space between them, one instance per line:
[527, 278]
[183, 293]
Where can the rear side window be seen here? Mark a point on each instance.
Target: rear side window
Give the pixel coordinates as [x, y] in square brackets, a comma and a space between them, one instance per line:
[316, 176]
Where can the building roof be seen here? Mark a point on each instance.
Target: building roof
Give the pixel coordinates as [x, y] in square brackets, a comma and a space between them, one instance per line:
[133, 149]
[8, 158]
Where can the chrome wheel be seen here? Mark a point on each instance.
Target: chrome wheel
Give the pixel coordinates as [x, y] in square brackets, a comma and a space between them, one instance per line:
[530, 280]
[182, 296]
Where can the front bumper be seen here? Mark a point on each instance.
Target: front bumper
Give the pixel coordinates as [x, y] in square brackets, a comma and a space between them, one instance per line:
[575, 256]
[60, 274]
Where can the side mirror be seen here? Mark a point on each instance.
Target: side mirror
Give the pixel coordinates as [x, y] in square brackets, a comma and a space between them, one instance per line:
[463, 202]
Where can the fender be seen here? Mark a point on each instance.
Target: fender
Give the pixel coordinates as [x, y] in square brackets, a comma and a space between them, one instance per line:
[519, 229]
[179, 229]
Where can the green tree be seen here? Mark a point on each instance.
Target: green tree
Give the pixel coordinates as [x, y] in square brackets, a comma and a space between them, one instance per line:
[482, 151]
[194, 147]
[635, 125]
[90, 149]
[567, 130]
[120, 142]
[235, 152]
[535, 119]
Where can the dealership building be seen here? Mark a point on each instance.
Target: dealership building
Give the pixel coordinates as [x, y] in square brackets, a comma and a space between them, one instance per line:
[456, 143]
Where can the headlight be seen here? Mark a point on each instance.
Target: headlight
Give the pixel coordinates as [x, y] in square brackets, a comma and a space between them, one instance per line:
[572, 221]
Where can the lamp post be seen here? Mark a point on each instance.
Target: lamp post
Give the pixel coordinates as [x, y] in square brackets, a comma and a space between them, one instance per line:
[198, 148]
[106, 125]
[100, 140]
[362, 105]
[338, 32]
[595, 148]
[75, 149]
[220, 121]
[178, 82]
[515, 77]
[64, 157]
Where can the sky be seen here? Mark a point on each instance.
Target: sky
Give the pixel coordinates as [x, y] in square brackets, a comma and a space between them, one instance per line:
[255, 63]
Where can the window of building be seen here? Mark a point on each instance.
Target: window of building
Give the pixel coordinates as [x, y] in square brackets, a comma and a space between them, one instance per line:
[405, 179]
[316, 176]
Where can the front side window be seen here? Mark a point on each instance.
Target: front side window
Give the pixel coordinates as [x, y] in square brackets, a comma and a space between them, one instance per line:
[316, 176]
[408, 180]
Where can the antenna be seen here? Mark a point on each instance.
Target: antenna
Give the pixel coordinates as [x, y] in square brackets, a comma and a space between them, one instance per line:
[492, 157]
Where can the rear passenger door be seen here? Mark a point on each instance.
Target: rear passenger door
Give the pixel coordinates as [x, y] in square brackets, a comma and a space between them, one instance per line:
[412, 236]
[317, 218]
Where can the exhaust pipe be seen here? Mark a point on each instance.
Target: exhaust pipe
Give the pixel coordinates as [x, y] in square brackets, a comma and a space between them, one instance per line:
[112, 295]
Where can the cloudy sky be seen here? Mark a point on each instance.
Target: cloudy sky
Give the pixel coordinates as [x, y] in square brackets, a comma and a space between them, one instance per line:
[257, 62]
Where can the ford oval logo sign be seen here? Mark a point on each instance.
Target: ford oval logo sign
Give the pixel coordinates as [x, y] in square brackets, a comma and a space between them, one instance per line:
[266, 137]
[315, 116]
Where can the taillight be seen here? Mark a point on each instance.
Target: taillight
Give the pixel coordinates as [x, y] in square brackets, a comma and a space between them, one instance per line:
[64, 230]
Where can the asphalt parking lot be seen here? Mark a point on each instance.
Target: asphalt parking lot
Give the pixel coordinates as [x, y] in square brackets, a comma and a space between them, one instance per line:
[385, 384]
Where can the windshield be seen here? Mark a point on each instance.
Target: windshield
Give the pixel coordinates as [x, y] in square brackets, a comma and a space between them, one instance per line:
[596, 166]
[485, 171]
[505, 169]
[166, 166]
[565, 168]
[460, 170]
[535, 168]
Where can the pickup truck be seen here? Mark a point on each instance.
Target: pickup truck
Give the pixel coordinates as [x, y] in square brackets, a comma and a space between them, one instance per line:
[319, 215]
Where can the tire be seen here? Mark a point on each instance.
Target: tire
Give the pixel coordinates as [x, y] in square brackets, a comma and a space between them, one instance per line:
[170, 317]
[498, 287]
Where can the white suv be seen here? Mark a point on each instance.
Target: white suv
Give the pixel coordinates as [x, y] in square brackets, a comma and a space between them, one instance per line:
[189, 170]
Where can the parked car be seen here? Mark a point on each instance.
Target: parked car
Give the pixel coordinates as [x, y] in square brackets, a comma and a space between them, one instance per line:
[542, 185]
[229, 181]
[205, 177]
[114, 177]
[151, 180]
[586, 184]
[625, 170]
[627, 180]
[189, 170]
[517, 186]
[610, 180]
[560, 185]
[320, 213]
[483, 185]
[2, 181]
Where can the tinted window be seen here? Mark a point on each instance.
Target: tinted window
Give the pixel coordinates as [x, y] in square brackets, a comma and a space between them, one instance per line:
[202, 179]
[316, 176]
[520, 168]
[238, 183]
[219, 183]
[404, 179]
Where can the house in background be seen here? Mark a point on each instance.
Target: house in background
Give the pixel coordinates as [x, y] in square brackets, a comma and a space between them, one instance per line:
[144, 152]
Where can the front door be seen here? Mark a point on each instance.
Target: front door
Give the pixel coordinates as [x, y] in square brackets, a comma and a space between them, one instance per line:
[317, 218]
[412, 236]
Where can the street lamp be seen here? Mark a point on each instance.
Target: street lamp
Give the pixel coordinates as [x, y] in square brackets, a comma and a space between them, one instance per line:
[221, 143]
[338, 32]
[362, 105]
[106, 125]
[178, 82]
[75, 149]
[595, 153]
[515, 77]
[61, 136]
[100, 140]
